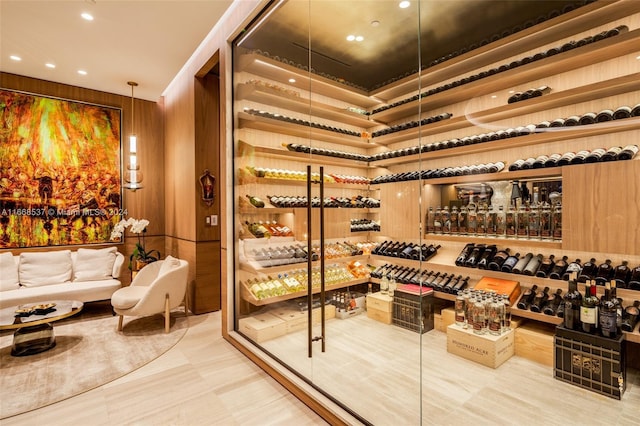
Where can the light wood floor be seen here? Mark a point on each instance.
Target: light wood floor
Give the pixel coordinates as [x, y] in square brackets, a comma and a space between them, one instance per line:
[203, 380]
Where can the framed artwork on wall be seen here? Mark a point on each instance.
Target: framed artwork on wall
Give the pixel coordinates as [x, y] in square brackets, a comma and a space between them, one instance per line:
[60, 171]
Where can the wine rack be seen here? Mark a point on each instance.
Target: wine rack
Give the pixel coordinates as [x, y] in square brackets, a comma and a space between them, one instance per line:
[575, 86]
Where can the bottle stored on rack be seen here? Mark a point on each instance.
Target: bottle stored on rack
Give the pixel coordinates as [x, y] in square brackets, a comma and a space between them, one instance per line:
[605, 272]
[464, 254]
[255, 201]
[533, 265]
[511, 221]
[522, 263]
[545, 267]
[453, 220]
[487, 256]
[574, 266]
[608, 314]
[631, 316]
[589, 270]
[558, 268]
[634, 280]
[589, 310]
[572, 305]
[622, 274]
[595, 155]
[527, 298]
[611, 154]
[556, 222]
[475, 256]
[555, 299]
[629, 151]
[510, 262]
[498, 259]
[540, 300]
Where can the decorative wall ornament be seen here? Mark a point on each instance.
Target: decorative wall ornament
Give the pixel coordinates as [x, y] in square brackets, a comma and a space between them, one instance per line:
[207, 184]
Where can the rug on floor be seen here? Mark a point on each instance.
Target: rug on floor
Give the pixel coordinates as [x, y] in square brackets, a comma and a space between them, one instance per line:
[88, 353]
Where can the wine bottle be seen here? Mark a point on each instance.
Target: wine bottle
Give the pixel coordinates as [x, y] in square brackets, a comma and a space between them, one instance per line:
[589, 310]
[486, 256]
[522, 263]
[430, 251]
[545, 267]
[622, 274]
[511, 222]
[553, 160]
[634, 280]
[551, 308]
[448, 288]
[589, 270]
[510, 262]
[588, 118]
[539, 301]
[466, 251]
[566, 158]
[631, 316]
[556, 223]
[635, 112]
[498, 259]
[527, 298]
[608, 314]
[617, 303]
[533, 265]
[572, 305]
[406, 251]
[622, 112]
[500, 222]
[595, 155]
[453, 220]
[574, 266]
[611, 154]
[558, 269]
[255, 201]
[604, 115]
[460, 285]
[628, 152]
[580, 157]
[605, 272]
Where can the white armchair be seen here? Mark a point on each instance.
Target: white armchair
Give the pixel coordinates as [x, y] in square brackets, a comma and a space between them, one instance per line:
[158, 288]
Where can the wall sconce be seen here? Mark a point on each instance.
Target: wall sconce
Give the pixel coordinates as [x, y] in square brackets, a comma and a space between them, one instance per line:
[133, 175]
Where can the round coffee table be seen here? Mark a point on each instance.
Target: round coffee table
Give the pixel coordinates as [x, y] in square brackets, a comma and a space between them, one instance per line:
[34, 328]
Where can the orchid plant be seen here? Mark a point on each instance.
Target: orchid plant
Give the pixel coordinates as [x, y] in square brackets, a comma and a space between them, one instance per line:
[138, 227]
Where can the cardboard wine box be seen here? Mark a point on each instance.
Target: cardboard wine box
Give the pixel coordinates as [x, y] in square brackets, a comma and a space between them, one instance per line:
[508, 287]
[485, 349]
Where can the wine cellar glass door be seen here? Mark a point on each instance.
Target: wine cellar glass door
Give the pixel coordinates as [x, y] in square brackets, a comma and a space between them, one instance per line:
[310, 150]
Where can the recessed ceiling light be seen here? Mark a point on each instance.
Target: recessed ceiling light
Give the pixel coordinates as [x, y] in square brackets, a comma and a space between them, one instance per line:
[15, 58]
[359, 38]
[512, 91]
[87, 16]
[375, 23]
[82, 72]
[351, 37]
[292, 80]
[638, 57]
[49, 65]
[404, 4]
[493, 96]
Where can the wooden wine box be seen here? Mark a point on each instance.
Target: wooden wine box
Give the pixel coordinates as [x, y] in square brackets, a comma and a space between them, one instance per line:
[485, 349]
[379, 307]
[262, 327]
[534, 341]
[508, 287]
[296, 319]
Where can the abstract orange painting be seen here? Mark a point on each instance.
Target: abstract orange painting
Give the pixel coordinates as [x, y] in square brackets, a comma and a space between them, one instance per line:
[60, 171]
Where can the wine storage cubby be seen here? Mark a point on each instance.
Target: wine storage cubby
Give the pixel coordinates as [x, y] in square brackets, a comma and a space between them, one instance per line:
[406, 148]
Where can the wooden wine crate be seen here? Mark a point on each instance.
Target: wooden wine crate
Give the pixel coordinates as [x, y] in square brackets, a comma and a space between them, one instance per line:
[296, 319]
[448, 317]
[329, 313]
[378, 315]
[485, 349]
[379, 307]
[534, 341]
[508, 287]
[262, 327]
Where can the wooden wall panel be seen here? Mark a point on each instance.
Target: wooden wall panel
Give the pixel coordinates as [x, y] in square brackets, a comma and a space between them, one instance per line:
[207, 292]
[602, 207]
[396, 219]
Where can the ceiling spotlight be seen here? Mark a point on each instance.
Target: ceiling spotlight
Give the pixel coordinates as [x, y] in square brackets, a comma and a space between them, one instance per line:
[87, 16]
[82, 72]
[375, 23]
[493, 96]
[351, 37]
[292, 80]
[359, 38]
[15, 58]
[404, 4]
[49, 65]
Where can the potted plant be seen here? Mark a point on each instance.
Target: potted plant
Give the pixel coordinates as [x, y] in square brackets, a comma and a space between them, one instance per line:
[140, 256]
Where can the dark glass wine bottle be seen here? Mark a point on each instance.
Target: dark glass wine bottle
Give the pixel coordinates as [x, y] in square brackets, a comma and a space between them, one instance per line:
[628, 152]
[551, 308]
[572, 305]
[589, 310]
[634, 280]
[487, 256]
[574, 266]
[466, 251]
[611, 154]
[527, 298]
[631, 316]
[607, 313]
[605, 272]
[539, 301]
[558, 269]
[622, 274]
[498, 259]
[595, 155]
[533, 265]
[510, 262]
[545, 267]
[588, 272]
[518, 268]
[475, 255]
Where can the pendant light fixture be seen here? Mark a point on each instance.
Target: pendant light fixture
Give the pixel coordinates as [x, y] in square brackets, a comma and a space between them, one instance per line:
[133, 175]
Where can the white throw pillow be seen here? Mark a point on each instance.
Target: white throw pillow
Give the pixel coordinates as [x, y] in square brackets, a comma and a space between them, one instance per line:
[169, 264]
[8, 272]
[45, 268]
[94, 264]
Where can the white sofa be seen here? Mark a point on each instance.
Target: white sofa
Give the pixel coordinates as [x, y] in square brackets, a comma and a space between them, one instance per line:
[86, 275]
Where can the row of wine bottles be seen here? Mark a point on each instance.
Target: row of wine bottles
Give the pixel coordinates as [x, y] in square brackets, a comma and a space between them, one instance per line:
[615, 153]
[295, 201]
[485, 312]
[488, 256]
[528, 221]
[296, 253]
[448, 283]
[511, 65]
[293, 120]
[360, 225]
[269, 228]
[528, 94]
[440, 173]
[590, 314]
[269, 173]
[541, 301]
[412, 124]
[406, 250]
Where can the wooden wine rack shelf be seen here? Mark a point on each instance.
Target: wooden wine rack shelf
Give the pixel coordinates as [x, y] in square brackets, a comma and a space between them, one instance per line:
[249, 297]
[248, 180]
[250, 267]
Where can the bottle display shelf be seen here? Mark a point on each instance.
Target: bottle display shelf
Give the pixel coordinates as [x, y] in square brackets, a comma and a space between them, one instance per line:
[566, 25]
[248, 179]
[249, 297]
[438, 294]
[253, 267]
[603, 50]
[276, 98]
[247, 150]
[267, 124]
[502, 241]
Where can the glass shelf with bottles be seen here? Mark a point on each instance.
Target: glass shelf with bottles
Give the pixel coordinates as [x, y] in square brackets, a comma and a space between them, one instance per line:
[273, 176]
[476, 212]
